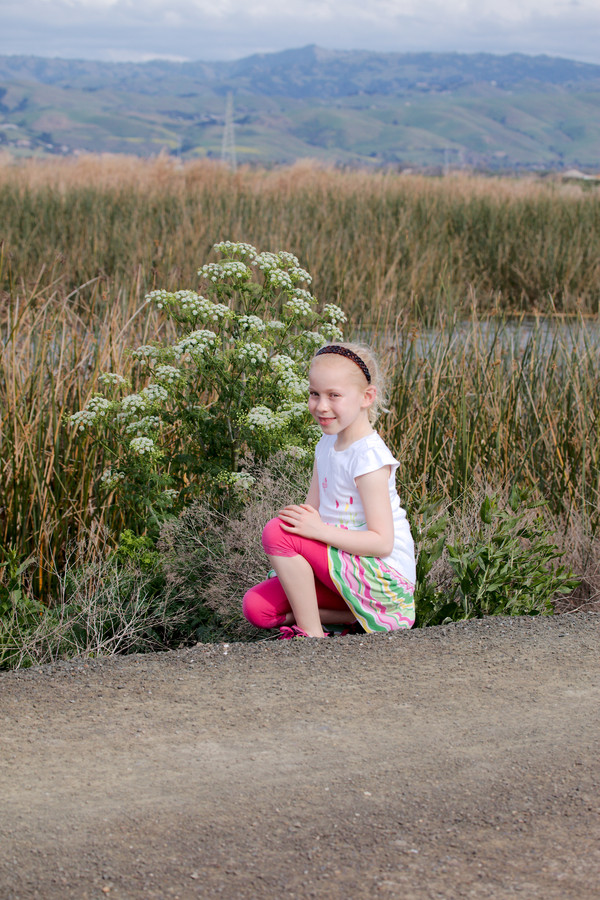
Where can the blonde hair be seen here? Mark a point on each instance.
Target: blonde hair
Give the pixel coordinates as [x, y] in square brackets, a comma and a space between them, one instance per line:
[378, 379]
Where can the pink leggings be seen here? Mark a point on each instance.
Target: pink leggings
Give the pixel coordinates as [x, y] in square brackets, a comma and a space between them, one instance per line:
[266, 605]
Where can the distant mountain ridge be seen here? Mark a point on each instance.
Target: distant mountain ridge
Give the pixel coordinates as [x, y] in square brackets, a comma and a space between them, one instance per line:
[308, 70]
[342, 106]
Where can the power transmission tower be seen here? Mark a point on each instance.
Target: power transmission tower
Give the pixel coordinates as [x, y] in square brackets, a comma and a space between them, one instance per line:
[228, 149]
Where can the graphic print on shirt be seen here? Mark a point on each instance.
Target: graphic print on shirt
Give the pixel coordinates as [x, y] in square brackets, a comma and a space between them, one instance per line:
[348, 518]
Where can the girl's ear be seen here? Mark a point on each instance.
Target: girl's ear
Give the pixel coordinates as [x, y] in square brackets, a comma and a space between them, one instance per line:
[369, 396]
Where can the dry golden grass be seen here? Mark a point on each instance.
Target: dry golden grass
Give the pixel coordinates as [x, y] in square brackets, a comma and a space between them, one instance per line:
[374, 240]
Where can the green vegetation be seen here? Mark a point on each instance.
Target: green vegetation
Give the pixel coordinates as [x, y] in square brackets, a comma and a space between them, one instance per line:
[214, 403]
[506, 565]
[442, 275]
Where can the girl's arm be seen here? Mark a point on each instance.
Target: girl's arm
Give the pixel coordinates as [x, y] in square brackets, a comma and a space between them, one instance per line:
[377, 540]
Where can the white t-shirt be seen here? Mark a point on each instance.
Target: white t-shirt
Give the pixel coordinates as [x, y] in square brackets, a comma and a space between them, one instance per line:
[339, 500]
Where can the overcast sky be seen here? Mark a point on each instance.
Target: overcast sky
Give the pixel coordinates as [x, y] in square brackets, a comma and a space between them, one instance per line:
[120, 30]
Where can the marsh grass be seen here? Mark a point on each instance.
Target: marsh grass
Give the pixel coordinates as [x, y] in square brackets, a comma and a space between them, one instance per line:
[373, 241]
[51, 354]
[500, 402]
[421, 265]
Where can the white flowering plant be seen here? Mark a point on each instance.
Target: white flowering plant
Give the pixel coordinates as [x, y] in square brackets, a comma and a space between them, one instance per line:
[221, 398]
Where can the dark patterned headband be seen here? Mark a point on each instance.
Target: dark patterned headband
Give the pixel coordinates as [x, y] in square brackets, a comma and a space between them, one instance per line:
[349, 354]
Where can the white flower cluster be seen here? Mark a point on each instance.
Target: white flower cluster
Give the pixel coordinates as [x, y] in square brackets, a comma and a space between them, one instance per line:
[251, 323]
[265, 418]
[287, 259]
[298, 306]
[241, 481]
[196, 342]
[279, 278]
[275, 325]
[281, 260]
[299, 274]
[143, 446]
[253, 353]
[112, 378]
[285, 368]
[233, 248]
[199, 307]
[155, 393]
[192, 303]
[313, 339]
[231, 270]
[134, 404]
[334, 313]
[304, 295]
[97, 408]
[131, 405]
[170, 496]
[293, 410]
[111, 479]
[160, 298]
[148, 423]
[282, 363]
[331, 332]
[219, 311]
[281, 269]
[269, 419]
[266, 261]
[168, 374]
[146, 351]
[296, 452]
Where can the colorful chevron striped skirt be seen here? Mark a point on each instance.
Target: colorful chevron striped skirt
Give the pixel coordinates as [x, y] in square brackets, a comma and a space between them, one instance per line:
[380, 598]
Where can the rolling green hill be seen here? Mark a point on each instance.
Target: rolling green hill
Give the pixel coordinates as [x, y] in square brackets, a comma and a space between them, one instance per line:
[351, 107]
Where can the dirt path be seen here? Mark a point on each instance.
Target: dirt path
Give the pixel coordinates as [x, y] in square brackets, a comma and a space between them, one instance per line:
[461, 761]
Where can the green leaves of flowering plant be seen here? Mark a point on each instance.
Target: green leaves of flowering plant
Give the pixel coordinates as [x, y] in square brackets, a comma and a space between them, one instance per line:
[226, 394]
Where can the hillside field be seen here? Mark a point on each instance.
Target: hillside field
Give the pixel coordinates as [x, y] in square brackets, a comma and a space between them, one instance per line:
[444, 111]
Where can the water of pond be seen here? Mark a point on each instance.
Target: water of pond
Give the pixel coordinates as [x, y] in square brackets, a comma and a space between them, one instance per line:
[516, 336]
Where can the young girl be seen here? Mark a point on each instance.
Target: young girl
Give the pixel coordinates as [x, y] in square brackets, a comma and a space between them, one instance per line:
[346, 555]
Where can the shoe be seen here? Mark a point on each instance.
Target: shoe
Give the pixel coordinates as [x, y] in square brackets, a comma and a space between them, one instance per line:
[291, 632]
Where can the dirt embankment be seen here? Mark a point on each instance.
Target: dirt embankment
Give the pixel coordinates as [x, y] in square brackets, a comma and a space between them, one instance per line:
[460, 761]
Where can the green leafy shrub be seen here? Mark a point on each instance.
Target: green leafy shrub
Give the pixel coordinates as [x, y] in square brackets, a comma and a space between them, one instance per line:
[226, 394]
[507, 566]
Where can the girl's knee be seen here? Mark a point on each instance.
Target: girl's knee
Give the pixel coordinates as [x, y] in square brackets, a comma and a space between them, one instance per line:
[252, 609]
[276, 541]
[261, 609]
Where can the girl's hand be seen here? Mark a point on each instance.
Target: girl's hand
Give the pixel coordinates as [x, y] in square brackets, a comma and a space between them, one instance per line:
[303, 520]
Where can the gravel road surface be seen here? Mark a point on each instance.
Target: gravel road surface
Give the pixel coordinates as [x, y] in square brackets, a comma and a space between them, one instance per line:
[454, 762]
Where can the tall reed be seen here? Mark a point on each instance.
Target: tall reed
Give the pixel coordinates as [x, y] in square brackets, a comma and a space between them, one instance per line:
[51, 354]
[497, 403]
[373, 241]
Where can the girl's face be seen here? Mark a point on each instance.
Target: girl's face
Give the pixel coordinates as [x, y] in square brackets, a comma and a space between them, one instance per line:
[340, 398]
